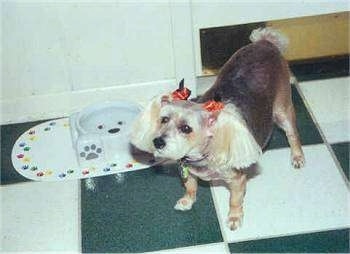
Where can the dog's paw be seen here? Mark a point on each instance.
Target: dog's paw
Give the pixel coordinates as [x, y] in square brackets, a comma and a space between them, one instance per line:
[234, 222]
[184, 204]
[298, 161]
[235, 218]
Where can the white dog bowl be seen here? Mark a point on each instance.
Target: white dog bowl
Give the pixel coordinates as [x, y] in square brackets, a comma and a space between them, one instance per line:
[100, 132]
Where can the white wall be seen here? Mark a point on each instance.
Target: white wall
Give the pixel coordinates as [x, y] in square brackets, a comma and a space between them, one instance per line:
[52, 48]
[60, 56]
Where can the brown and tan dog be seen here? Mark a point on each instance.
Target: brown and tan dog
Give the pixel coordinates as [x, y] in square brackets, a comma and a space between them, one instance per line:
[220, 142]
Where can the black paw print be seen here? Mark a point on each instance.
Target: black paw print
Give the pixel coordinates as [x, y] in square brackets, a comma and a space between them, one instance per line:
[90, 152]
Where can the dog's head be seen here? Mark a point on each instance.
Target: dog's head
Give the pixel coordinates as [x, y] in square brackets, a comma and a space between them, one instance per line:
[170, 128]
[177, 129]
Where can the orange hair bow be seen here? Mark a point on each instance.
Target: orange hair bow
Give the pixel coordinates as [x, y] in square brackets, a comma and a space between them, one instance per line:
[213, 105]
[182, 93]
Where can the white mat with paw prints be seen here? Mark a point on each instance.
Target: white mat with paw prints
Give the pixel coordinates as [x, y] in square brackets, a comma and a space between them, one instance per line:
[46, 153]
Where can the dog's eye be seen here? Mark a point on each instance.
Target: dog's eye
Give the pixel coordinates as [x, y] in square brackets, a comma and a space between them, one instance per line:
[185, 129]
[164, 119]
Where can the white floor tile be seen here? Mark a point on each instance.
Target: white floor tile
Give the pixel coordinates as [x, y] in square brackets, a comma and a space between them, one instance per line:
[215, 248]
[329, 101]
[40, 216]
[282, 200]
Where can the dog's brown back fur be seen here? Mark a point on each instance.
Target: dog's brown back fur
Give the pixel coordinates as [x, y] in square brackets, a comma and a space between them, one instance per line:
[256, 80]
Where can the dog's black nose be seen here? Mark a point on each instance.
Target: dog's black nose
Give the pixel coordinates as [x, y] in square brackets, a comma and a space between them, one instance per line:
[159, 143]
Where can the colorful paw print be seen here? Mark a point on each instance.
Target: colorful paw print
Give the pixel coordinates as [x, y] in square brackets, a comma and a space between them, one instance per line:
[40, 174]
[25, 167]
[65, 174]
[93, 169]
[62, 175]
[34, 168]
[26, 159]
[33, 138]
[107, 169]
[48, 172]
[85, 172]
[51, 124]
[20, 156]
[24, 146]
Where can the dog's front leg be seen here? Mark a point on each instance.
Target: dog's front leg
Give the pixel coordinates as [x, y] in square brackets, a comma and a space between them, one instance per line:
[185, 203]
[237, 186]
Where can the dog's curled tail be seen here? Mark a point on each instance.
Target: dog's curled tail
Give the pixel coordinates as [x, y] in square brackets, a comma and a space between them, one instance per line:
[271, 35]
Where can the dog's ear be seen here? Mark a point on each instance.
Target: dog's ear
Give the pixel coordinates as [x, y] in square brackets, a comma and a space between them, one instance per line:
[210, 119]
[145, 125]
[232, 145]
[164, 100]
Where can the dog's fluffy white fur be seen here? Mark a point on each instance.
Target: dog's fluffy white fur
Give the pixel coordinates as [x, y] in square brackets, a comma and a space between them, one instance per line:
[271, 35]
[232, 145]
[229, 142]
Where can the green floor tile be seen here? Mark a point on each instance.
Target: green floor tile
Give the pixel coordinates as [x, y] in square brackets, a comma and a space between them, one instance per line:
[307, 129]
[341, 151]
[336, 241]
[332, 67]
[9, 135]
[137, 214]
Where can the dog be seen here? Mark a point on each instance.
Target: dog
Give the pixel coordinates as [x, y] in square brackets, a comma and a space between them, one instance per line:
[224, 132]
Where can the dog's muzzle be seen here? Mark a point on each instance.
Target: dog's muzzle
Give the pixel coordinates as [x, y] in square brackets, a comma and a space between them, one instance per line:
[159, 142]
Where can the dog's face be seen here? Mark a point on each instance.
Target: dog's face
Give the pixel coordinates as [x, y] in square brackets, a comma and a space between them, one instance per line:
[171, 129]
[181, 130]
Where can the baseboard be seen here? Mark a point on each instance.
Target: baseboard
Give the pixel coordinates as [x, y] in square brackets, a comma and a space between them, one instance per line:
[40, 107]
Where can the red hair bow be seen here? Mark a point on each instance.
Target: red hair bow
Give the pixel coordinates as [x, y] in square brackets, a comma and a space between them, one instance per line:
[182, 93]
[213, 105]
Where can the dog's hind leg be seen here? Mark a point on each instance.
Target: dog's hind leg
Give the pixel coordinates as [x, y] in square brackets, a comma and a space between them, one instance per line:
[284, 117]
[185, 203]
[286, 121]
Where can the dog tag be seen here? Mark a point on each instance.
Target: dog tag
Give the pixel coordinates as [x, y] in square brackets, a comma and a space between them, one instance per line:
[184, 171]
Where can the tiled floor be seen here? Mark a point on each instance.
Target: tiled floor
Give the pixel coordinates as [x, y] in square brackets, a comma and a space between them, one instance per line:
[333, 99]
[286, 210]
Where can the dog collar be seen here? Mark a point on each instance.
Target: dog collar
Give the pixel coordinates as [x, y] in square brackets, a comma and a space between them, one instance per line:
[189, 160]
[193, 160]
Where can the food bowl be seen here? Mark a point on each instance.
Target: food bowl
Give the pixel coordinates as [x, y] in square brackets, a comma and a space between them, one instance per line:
[100, 132]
